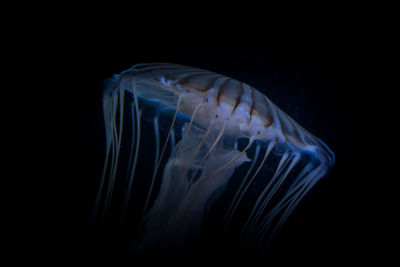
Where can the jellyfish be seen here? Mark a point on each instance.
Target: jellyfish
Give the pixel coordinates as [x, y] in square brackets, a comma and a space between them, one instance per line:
[219, 148]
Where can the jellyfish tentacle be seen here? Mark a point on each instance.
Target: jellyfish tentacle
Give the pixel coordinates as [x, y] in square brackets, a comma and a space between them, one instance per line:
[292, 191]
[172, 140]
[268, 198]
[227, 165]
[108, 107]
[267, 152]
[256, 213]
[114, 141]
[209, 151]
[164, 217]
[211, 176]
[229, 212]
[189, 181]
[114, 134]
[117, 104]
[206, 133]
[292, 194]
[129, 185]
[118, 130]
[171, 164]
[298, 182]
[133, 138]
[310, 180]
[181, 143]
[205, 183]
[168, 136]
[132, 150]
[153, 178]
[121, 120]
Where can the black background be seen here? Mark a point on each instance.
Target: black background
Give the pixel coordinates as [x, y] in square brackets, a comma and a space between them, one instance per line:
[324, 76]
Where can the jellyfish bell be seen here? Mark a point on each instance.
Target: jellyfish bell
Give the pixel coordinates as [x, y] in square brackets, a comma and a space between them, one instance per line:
[212, 134]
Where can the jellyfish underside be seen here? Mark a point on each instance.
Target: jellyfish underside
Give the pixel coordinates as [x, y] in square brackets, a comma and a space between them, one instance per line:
[211, 162]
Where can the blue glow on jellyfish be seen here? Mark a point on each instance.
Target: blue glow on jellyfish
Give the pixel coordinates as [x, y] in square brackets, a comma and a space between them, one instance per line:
[215, 142]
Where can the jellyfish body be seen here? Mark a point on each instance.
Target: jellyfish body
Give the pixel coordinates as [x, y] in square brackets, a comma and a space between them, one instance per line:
[210, 131]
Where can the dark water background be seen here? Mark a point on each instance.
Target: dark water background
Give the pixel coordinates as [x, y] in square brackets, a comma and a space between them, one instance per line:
[323, 78]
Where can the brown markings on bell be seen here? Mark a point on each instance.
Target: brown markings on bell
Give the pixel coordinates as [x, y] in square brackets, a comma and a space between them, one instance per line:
[211, 82]
[238, 97]
[270, 117]
[220, 89]
[252, 105]
[186, 82]
[266, 125]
